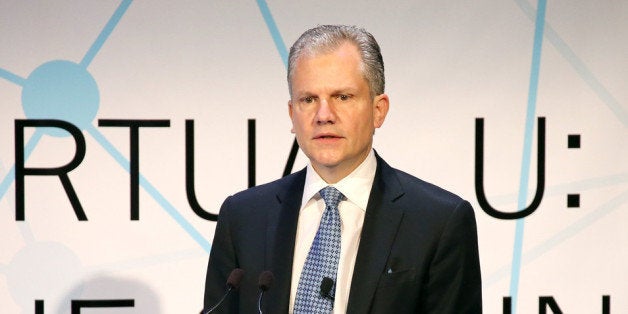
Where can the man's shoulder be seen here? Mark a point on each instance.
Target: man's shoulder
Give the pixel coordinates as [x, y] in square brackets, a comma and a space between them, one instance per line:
[425, 201]
[418, 190]
[254, 202]
[274, 188]
[416, 184]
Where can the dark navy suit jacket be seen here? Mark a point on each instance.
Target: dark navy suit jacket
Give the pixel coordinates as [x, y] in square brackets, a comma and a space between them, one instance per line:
[418, 249]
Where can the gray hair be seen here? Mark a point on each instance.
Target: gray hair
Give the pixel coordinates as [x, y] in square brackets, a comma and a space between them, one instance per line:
[326, 38]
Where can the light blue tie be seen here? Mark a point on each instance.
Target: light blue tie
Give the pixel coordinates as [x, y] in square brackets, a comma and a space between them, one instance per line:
[322, 260]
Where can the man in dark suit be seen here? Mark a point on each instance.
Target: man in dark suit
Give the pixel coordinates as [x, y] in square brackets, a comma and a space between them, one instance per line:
[406, 246]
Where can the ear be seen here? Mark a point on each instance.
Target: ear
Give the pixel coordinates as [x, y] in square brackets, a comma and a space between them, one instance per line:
[290, 113]
[380, 110]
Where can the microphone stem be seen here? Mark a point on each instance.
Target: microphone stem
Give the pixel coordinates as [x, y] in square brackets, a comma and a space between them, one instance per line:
[259, 302]
[220, 302]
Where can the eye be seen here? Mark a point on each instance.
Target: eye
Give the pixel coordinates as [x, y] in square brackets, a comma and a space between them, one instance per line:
[308, 100]
[343, 97]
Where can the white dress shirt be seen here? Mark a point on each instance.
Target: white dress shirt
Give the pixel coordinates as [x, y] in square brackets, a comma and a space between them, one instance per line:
[356, 187]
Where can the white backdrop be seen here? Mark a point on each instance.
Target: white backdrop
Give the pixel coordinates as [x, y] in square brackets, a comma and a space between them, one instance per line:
[222, 63]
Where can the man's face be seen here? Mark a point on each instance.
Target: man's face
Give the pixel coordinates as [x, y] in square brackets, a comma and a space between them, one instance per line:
[333, 114]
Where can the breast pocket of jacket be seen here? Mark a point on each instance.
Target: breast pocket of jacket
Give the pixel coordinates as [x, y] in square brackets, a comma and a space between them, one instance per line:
[397, 277]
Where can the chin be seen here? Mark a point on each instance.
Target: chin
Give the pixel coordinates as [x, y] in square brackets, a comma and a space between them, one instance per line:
[326, 161]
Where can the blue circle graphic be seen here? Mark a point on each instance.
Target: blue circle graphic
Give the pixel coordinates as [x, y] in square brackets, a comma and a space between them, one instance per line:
[44, 270]
[61, 90]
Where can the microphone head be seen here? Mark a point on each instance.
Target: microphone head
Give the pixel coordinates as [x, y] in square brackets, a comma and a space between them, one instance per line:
[235, 277]
[326, 286]
[266, 279]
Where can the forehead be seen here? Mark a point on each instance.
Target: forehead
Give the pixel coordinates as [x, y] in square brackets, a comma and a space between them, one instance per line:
[339, 66]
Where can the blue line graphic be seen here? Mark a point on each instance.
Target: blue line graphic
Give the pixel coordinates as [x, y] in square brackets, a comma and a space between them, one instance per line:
[87, 59]
[28, 149]
[579, 66]
[527, 147]
[104, 34]
[577, 226]
[14, 78]
[148, 187]
[274, 31]
[589, 78]
[561, 236]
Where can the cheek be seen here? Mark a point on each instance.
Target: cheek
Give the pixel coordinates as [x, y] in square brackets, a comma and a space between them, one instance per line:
[299, 126]
[364, 122]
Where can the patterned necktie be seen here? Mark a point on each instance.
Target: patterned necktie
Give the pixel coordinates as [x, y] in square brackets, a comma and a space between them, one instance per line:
[322, 260]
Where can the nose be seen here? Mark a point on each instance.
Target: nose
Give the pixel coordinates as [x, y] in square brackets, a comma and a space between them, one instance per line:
[325, 113]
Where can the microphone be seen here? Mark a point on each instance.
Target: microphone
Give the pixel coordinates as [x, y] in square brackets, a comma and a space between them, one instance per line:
[326, 286]
[266, 279]
[233, 281]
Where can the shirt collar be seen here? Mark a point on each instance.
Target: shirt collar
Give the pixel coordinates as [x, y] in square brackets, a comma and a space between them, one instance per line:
[356, 187]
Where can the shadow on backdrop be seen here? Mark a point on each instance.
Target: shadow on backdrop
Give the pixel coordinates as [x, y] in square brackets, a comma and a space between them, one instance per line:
[105, 287]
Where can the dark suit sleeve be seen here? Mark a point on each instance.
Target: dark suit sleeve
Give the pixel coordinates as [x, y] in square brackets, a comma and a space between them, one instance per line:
[222, 261]
[454, 280]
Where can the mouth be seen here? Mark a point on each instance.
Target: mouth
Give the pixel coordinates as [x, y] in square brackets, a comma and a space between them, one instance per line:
[326, 136]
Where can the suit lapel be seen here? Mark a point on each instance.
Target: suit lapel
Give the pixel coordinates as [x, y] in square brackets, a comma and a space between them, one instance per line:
[281, 233]
[381, 222]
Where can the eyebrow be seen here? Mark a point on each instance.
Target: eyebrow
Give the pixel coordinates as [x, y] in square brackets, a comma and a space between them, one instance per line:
[336, 91]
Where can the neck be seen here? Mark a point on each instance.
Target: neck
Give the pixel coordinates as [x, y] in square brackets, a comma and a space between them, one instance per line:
[332, 176]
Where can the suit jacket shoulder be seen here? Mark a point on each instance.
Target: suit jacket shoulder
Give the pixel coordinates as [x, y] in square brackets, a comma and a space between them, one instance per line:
[420, 190]
[255, 198]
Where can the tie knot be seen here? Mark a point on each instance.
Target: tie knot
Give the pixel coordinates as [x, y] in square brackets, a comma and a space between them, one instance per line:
[331, 196]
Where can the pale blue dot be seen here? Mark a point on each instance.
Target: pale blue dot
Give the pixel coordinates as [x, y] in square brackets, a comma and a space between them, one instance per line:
[61, 90]
[43, 270]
